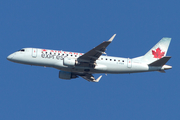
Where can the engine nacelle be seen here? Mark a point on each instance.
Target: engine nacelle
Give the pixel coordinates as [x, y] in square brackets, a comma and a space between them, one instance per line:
[69, 62]
[66, 75]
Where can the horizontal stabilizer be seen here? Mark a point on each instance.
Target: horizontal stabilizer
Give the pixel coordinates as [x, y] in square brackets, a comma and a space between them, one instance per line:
[161, 71]
[160, 62]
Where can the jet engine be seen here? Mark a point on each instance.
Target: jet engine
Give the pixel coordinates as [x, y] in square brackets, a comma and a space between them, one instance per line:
[69, 62]
[66, 75]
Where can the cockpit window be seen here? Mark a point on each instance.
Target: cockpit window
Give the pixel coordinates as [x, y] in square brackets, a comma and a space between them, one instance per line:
[22, 50]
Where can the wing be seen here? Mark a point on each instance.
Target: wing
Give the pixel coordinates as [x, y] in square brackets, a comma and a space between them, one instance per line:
[90, 77]
[92, 55]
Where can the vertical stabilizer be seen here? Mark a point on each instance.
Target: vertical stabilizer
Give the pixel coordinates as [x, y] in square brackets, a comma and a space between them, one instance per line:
[158, 51]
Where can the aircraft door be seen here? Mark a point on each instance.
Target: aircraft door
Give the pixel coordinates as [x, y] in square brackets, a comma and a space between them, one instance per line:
[34, 52]
[129, 63]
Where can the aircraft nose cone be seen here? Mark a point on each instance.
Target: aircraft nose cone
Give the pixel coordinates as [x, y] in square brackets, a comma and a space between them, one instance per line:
[10, 57]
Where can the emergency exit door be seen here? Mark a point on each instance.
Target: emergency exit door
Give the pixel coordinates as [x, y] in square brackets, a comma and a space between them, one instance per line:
[34, 52]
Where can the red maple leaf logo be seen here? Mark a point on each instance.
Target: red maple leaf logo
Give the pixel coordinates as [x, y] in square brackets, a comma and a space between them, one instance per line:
[158, 53]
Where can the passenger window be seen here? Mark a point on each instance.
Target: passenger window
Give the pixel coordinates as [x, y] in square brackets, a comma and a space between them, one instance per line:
[106, 58]
[114, 59]
[118, 60]
[110, 59]
[123, 61]
[101, 58]
[71, 55]
[75, 55]
[58, 53]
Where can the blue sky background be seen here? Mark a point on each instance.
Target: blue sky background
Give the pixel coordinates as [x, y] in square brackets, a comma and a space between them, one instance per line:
[33, 93]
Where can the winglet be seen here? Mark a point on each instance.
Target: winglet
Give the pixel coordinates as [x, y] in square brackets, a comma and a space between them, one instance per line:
[111, 39]
[97, 80]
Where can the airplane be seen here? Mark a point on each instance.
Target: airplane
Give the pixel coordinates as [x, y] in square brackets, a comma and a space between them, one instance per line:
[95, 61]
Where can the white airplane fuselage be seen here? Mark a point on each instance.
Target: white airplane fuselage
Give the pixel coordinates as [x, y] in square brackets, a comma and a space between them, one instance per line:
[54, 58]
[73, 64]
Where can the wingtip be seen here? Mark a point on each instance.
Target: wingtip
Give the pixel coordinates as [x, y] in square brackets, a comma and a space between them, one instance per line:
[111, 39]
[97, 80]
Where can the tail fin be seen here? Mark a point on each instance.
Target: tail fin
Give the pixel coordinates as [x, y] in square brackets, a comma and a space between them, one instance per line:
[157, 52]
